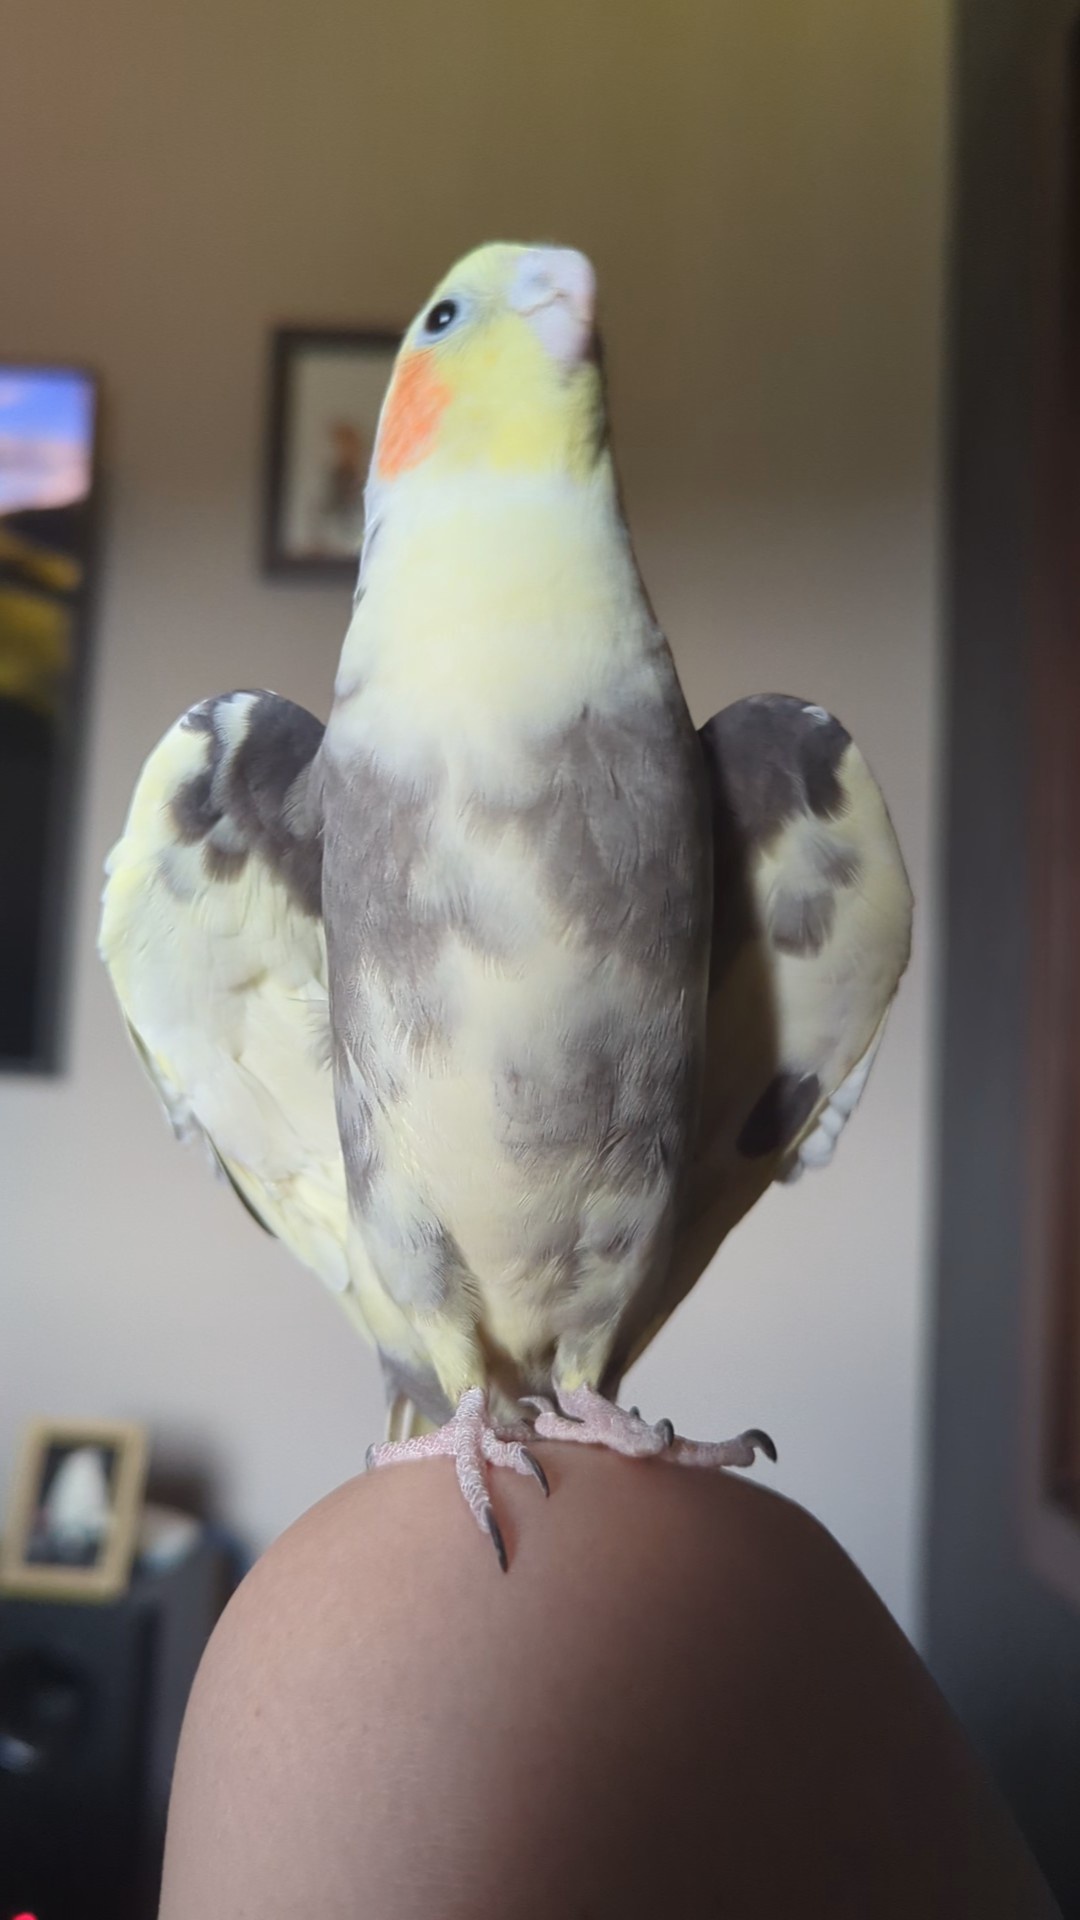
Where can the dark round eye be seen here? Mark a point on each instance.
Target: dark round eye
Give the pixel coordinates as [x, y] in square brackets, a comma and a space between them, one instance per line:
[440, 316]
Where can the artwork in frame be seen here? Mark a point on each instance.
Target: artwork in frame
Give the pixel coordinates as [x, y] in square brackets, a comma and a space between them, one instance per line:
[74, 1511]
[326, 388]
[48, 432]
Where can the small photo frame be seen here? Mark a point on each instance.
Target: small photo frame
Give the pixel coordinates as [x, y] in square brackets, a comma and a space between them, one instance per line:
[326, 389]
[75, 1509]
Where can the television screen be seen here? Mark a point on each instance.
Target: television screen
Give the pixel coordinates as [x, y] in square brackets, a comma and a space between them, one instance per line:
[47, 429]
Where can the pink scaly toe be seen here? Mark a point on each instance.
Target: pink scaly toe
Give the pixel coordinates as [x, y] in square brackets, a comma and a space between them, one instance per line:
[739, 1452]
[473, 1443]
[592, 1421]
[587, 1418]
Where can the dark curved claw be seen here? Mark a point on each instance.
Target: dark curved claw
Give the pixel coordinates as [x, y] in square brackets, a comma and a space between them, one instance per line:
[497, 1540]
[535, 1467]
[635, 1413]
[759, 1438]
[666, 1430]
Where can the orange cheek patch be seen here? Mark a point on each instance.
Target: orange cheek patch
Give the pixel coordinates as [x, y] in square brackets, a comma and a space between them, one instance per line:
[417, 402]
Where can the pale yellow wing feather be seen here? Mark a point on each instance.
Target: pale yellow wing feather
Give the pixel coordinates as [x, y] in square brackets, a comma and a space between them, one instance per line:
[212, 937]
[811, 934]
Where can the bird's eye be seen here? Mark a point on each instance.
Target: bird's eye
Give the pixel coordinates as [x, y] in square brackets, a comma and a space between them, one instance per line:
[440, 316]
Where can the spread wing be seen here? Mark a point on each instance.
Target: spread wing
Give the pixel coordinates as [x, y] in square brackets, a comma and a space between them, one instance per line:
[811, 934]
[212, 934]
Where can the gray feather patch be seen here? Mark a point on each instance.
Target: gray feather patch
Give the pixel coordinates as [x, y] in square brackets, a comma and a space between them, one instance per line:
[771, 759]
[801, 923]
[783, 1109]
[598, 824]
[257, 794]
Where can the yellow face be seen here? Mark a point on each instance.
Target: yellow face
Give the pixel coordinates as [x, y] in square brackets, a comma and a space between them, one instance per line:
[499, 370]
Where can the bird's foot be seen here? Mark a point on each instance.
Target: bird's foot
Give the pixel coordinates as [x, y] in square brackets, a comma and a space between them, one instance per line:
[473, 1443]
[585, 1416]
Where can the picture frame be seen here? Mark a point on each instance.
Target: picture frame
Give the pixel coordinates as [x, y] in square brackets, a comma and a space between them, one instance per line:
[325, 391]
[50, 450]
[74, 1511]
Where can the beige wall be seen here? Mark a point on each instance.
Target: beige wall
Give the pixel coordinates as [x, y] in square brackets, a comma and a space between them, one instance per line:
[761, 186]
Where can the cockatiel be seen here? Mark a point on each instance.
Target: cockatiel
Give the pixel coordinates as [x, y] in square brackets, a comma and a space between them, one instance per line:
[505, 997]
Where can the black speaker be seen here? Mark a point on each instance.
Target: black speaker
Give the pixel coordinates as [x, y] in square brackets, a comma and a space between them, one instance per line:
[91, 1699]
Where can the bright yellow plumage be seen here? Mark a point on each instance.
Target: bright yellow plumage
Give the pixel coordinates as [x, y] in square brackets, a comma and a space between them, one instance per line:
[486, 394]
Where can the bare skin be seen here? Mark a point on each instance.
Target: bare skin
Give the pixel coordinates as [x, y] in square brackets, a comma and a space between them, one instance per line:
[681, 1701]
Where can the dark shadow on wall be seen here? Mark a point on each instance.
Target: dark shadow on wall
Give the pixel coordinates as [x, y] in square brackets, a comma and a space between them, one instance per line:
[1002, 1643]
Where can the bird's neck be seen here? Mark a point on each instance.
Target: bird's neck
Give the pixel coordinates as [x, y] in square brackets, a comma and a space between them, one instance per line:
[498, 601]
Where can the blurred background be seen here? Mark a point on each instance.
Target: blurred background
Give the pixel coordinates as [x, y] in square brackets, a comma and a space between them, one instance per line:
[768, 193]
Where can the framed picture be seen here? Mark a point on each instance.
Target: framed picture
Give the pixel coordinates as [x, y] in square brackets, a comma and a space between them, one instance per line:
[48, 446]
[326, 388]
[75, 1510]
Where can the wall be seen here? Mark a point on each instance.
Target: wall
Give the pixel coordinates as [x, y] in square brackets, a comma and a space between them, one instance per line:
[762, 189]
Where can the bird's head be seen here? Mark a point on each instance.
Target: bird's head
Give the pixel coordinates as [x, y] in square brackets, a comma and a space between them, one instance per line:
[498, 371]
